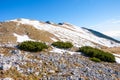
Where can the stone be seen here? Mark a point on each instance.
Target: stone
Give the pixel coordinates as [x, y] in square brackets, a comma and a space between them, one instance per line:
[5, 66]
[6, 79]
[15, 51]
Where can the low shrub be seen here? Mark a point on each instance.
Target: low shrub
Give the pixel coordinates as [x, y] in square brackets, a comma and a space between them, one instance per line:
[60, 44]
[32, 46]
[95, 59]
[97, 53]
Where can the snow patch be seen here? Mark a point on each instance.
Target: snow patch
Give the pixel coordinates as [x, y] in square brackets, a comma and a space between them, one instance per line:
[116, 55]
[54, 39]
[117, 58]
[21, 38]
[56, 50]
[27, 21]
[62, 51]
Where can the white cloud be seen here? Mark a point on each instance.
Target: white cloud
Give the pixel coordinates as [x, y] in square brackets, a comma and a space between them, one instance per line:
[116, 21]
[112, 33]
[109, 27]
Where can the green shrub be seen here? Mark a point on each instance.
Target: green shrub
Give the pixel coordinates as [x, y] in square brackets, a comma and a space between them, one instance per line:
[95, 59]
[60, 44]
[32, 46]
[97, 53]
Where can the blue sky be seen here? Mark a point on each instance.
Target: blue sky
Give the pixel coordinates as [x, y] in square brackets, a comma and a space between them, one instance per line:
[85, 13]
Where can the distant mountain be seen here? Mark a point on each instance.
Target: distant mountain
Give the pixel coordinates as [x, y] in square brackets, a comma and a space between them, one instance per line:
[111, 28]
[101, 35]
[19, 30]
[114, 34]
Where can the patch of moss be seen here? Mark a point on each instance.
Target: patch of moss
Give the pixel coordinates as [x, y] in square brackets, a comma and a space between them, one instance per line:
[32, 46]
[97, 53]
[95, 59]
[64, 45]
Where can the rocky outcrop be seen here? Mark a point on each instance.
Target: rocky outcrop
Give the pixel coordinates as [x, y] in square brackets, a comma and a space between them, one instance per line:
[50, 65]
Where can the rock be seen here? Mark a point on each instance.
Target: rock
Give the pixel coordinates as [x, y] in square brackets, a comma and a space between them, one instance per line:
[15, 51]
[117, 74]
[5, 66]
[17, 67]
[51, 71]
[60, 23]
[30, 70]
[1, 55]
[49, 22]
[81, 78]
[6, 79]
[61, 66]
[37, 73]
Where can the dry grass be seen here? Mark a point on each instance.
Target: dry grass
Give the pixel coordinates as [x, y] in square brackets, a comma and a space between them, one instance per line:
[36, 34]
[7, 29]
[13, 73]
[6, 51]
[115, 50]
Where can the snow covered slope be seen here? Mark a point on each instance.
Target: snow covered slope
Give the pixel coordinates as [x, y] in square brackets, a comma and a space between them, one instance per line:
[67, 32]
[21, 38]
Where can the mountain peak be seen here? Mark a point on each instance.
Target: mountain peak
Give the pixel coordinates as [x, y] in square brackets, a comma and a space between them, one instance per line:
[21, 19]
[24, 20]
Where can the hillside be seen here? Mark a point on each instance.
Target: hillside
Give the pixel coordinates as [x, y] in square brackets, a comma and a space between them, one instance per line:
[54, 63]
[19, 30]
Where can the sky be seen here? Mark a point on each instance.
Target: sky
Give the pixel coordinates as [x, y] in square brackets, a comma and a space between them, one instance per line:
[100, 15]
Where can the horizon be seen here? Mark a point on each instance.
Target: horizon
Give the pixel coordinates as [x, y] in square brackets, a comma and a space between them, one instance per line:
[100, 15]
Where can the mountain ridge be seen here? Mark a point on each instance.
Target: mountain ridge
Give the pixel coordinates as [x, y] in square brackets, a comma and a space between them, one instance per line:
[99, 34]
[49, 32]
